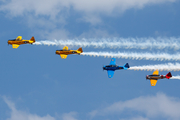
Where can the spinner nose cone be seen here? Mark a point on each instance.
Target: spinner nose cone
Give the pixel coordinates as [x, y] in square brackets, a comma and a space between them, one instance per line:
[9, 42]
[57, 52]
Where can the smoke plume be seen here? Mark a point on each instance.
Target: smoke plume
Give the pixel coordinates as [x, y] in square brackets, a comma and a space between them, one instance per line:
[137, 56]
[115, 43]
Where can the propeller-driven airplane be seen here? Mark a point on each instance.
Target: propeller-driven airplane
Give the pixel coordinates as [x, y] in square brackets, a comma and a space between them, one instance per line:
[64, 52]
[155, 76]
[112, 67]
[18, 41]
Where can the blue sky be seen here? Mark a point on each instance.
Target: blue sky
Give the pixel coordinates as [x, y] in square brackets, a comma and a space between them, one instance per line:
[37, 84]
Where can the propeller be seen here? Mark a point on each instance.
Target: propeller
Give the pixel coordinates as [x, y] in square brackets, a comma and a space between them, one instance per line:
[103, 67]
[146, 77]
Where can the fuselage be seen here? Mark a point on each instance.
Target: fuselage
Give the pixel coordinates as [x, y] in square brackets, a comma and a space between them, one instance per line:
[155, 77]
[112, 67]
[67, 52]
[19, 42]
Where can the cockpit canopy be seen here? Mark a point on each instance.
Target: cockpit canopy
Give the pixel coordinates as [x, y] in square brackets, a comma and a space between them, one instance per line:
[63, 50]
[13, 39]
[18, 39]
[112, 66]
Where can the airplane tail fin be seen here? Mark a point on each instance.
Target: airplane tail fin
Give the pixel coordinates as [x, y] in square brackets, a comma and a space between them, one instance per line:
[126, 66]
[168, 75]
[32, 39]
[80, 49]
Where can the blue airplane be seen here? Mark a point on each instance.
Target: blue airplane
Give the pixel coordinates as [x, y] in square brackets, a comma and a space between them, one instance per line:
[112, 67]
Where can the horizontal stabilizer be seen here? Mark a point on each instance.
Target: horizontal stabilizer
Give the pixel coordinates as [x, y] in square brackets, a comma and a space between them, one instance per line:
[168, 75]
[126, 66]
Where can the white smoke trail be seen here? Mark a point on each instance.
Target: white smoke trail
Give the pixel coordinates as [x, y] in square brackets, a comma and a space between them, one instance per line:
[175, 77]
[127, 43]
[160, 67]
[133, 55]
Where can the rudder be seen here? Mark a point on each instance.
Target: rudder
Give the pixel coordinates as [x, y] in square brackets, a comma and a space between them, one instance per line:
[168, 75]
[126, 66]
[32, 39]
[80, 49]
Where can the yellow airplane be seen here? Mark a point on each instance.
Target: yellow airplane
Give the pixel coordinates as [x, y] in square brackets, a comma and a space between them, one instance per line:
[64, 52]
[155, 76]
[18, 41]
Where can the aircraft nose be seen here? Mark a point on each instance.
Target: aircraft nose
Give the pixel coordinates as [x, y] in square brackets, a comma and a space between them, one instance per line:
[57, 52]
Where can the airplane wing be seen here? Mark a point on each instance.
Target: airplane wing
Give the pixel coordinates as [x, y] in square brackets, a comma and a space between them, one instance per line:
[113, 61]
[63, 56]
[15, 46]
[19, 37]
[153, 82]
[110, 73]
[156, 72]
[65, 48]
